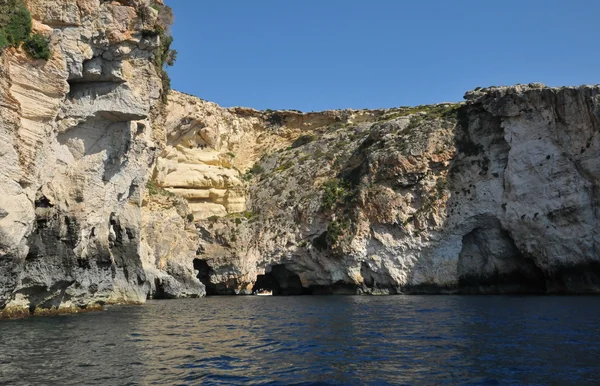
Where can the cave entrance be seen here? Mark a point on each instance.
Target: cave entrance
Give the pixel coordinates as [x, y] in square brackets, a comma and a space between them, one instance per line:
[490, 262]
[204, 272]
[281, 281]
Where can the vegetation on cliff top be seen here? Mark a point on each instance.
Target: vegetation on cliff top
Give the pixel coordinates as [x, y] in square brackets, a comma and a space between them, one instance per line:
[15, 30]
[164, 56]
[439, 111]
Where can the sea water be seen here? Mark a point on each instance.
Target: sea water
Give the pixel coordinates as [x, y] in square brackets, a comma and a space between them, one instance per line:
[329, 340]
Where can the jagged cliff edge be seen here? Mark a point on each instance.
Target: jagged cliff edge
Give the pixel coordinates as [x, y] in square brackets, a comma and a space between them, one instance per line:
[111, 196]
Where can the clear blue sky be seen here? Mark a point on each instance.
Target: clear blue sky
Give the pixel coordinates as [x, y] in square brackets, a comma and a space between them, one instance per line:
[325, 54]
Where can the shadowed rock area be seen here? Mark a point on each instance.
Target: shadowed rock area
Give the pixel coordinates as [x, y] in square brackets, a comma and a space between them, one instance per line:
[116, 190]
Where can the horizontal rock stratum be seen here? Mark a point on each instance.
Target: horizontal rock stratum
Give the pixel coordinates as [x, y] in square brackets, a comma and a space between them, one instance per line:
[115, 190]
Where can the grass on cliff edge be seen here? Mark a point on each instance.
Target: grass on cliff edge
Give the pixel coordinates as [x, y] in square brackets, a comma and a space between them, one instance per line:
[15, 30]
[446, 110]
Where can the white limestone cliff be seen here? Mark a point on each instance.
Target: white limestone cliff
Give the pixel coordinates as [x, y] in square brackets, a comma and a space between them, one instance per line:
[114, 192]
[77, 150]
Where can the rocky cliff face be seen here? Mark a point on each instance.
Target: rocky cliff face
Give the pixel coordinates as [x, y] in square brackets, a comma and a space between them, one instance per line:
[498, 194]
[113, 193]
[76, 151]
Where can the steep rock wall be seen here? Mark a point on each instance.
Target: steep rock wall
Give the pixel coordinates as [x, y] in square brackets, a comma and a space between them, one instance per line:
[76, 152]
[111, 196]
[499, 194]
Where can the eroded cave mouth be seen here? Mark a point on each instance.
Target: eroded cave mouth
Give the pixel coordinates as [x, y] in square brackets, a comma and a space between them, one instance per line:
[204, 272]
[490, 262]
[281, 281]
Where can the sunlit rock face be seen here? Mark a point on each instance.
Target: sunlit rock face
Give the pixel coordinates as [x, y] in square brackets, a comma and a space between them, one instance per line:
[207, 149]
[113, 194]
[76, 150]
[498, 194]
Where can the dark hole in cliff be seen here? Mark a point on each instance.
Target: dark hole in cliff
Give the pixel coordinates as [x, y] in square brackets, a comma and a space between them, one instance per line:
[160, 290]
[490, 262]
[320, 242]
[281, 281]
[42, 201]
[204, 272]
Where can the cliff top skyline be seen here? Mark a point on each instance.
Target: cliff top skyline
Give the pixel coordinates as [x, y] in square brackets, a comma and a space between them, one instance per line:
[315, 55]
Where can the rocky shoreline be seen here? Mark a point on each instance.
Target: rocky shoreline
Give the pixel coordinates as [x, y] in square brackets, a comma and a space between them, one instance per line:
[117, 190]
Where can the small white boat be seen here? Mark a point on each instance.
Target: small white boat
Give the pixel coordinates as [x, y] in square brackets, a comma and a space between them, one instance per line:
[262, 292]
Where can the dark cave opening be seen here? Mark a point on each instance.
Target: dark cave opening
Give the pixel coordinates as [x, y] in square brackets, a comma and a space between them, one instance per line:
[490, 262]
[204, 272]
[281, 281]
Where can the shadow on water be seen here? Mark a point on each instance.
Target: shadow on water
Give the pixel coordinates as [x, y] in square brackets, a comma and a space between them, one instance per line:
[312, 340]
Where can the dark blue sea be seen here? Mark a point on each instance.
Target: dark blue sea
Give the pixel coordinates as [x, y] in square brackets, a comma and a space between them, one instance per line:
[310, 340]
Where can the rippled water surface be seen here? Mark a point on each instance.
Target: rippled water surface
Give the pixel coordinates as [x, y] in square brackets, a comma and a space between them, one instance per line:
[306, 340]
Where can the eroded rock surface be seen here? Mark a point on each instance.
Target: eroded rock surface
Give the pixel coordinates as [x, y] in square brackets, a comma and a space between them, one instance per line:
[498, 194]
[113, 194]
[76, 149]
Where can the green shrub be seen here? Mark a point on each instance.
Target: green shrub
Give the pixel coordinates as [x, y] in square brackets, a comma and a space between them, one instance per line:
[3, 41]
[256, 169]
[337, 229]
[37, 47]
[19, 26]
[163, 55]
[190, 217]
[335, 193]
[213, 219]
[15, 29]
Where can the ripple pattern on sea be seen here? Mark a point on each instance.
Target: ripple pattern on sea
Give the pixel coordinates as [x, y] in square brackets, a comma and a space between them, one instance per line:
[312, 340]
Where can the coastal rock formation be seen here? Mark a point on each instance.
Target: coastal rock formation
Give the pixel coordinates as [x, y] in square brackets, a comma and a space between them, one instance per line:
[115, 191]
[498, 194]
[76, 150]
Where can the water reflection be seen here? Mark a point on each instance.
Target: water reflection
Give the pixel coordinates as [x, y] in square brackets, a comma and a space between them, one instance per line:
[334, 340]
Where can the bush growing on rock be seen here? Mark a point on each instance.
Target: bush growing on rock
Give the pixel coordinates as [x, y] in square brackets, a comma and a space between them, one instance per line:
[19, 26]
[3, 41]
[15, 29]
[37, 47]
[163, 55]
[335, 193]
